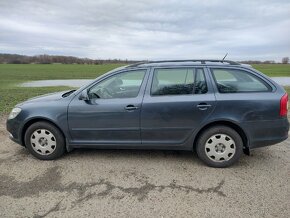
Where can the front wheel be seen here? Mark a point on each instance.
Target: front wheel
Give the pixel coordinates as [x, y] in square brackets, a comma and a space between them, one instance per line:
[219, 146]
[44, 141]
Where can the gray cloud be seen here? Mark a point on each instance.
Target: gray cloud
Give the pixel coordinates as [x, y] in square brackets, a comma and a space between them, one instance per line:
[147, 29]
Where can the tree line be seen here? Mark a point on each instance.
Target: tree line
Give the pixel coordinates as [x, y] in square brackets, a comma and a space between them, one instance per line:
[55, 59]
[60, 59]
[285, 60]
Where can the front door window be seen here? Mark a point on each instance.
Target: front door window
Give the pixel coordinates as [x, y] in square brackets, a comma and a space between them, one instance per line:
[122, 85]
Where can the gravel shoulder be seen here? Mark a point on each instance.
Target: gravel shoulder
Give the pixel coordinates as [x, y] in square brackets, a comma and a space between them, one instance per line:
[112, 183]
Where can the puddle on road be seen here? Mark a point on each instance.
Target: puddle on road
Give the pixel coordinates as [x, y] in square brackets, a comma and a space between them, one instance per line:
[284, 81]
[63, 82]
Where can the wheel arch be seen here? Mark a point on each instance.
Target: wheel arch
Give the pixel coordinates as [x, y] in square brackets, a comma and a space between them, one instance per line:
[228, 123]
[39, 119]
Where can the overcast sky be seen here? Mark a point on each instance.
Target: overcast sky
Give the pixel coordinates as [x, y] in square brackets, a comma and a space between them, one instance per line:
[151, 29]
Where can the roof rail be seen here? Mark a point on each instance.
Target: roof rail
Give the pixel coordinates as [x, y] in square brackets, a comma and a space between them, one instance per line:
[192, 60]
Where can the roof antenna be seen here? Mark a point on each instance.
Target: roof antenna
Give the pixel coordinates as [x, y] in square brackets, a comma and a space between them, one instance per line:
[224, 57]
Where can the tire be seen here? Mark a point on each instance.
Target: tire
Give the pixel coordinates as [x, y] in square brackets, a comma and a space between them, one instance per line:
[219, 146]
[44, 141]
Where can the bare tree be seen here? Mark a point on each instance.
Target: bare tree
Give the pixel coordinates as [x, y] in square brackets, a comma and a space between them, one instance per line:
[51, 59]
[285, 60]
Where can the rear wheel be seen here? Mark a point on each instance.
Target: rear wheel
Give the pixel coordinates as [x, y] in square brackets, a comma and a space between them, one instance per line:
[44, 141]
[219, 146]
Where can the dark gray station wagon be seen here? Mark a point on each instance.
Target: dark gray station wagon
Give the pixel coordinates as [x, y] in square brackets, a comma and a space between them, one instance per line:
[217, 108]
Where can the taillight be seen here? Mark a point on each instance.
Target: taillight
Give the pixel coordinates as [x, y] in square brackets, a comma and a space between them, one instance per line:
[284, 105]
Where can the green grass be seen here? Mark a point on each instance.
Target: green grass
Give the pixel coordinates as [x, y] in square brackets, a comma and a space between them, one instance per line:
[13, 74]
[287, 89]
[273, 69]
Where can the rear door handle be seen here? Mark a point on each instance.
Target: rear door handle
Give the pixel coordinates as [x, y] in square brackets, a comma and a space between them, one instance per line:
[203, 106]
[131, 107]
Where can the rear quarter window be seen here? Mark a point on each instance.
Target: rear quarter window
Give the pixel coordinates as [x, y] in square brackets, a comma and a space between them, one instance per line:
[236, 81]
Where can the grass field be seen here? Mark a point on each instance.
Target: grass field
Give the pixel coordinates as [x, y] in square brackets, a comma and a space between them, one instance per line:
[13, 74]
[273, 69]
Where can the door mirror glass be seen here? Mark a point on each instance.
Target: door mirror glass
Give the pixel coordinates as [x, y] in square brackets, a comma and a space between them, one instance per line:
[84, 95]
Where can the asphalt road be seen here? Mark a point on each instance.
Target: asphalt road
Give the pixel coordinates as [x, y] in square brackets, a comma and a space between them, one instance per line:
[100, 183]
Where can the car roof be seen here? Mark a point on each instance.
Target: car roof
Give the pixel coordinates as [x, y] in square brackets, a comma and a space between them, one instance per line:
[172, 63]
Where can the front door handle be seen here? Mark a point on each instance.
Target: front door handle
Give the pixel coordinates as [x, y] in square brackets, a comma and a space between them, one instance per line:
[131, 107]
[203, 106]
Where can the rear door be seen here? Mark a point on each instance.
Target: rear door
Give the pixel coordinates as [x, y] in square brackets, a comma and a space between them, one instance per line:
[176, 102]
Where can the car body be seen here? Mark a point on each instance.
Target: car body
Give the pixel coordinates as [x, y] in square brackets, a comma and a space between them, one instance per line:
[162, 105]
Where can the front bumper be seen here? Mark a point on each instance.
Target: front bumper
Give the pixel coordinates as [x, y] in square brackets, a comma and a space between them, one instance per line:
[14, 139]
[13, 126]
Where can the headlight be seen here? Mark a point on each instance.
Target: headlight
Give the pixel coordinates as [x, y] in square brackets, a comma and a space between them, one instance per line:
[14, 113]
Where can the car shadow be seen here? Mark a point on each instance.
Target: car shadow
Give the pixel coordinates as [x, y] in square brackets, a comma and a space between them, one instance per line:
[137, 156]
[132, 154]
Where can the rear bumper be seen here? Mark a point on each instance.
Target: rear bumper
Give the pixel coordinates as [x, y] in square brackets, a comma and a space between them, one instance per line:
[264, 133]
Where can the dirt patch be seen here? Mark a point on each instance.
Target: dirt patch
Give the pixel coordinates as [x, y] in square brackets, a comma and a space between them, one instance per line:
[3, 131]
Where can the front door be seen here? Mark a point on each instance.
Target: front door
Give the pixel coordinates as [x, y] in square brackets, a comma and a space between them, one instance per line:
[112, 113]
[176, 102]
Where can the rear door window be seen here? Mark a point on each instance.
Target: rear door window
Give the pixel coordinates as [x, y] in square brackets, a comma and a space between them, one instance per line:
[178, 81]
[235, 81]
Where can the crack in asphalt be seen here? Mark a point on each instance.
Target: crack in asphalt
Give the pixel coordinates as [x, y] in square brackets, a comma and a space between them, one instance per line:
[142, 192]
[55, 208]
[50, 180]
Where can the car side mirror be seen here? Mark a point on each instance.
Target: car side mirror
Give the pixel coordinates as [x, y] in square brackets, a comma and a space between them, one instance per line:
[84, 95]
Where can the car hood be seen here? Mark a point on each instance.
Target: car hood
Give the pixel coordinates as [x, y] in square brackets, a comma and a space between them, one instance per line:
[46, 98]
